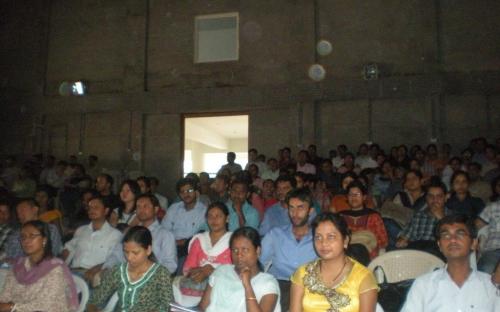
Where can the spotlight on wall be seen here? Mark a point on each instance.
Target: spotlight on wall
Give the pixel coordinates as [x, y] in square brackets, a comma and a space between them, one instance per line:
[371, 72]
[77, 88]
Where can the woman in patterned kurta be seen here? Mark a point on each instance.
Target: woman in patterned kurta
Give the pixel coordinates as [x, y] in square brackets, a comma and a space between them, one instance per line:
[141, 284]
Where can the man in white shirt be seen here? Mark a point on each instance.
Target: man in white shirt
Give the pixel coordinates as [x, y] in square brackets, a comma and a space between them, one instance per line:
[92, 243]
[303, 165]
[154, 190]
[456, 287]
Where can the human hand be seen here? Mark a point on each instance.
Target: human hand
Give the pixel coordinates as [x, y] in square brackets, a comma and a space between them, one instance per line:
[245, 276]
[402, 242]
[6, 306]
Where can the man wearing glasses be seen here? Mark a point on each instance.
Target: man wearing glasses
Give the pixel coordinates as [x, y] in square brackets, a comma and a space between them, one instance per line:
[419, 232]
[456, 287]
[185, 218]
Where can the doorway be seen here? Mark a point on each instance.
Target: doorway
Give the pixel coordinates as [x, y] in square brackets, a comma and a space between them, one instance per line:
[208, 139]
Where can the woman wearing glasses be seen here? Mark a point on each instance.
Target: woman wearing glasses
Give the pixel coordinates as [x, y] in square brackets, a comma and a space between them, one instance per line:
[39, 281]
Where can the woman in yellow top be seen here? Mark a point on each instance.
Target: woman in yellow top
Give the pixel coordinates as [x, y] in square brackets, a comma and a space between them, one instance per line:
[45, 201]
[334, 282]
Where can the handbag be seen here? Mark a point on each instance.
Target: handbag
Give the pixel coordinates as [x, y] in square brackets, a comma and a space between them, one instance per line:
[392, 295]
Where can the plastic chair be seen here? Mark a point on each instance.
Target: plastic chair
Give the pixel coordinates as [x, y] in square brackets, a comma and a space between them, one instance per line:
[400, 265]
[112, 302]
[83, 291]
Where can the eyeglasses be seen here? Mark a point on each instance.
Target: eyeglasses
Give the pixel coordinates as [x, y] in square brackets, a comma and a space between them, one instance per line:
[354, 194]
[459, 235]
[188, 191]
[29, 237]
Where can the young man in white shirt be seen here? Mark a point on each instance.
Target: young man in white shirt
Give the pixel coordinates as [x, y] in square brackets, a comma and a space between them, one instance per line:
[92, 243]
[456, 287]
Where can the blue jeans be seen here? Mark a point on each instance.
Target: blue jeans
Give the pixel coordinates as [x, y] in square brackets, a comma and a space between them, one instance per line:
[488, 261]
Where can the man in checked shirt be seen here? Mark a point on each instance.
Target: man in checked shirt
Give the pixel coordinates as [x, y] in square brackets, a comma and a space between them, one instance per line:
[419, 232]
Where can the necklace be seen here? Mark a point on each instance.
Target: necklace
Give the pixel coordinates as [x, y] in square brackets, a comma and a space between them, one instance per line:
[312, 281]
[340, 272]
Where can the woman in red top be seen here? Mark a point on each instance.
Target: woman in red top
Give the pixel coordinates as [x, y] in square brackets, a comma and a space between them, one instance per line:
[360, 218]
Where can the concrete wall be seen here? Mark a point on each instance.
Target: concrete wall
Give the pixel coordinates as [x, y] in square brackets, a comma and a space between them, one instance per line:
[440, 65]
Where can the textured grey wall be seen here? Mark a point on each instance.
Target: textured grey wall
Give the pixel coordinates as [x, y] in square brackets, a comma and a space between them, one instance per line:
[440, 62]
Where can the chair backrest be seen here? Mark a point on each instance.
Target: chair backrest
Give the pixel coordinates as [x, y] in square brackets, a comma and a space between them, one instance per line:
[401, 265]
[83, 292]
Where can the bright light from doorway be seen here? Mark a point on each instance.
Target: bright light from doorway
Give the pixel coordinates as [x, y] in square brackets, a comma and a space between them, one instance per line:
[207, 140]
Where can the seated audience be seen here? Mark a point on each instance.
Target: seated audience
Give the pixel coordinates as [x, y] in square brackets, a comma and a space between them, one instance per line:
[164, 246]
[27, 210]
[38, 281]
[328, 174]
[477, 186]
[490, 253]
[186, 217]
[364, 159]
[287, 247]
[6, 225]
[48, 213]
[242, 286]
[362, 219]
[277, 214]
[124, 215]
[334, 281]
[419, 232]
[206, 252]
[155, 183]
[460, 200]
[272, 170]
[92, 243]
[104, 185]
[457, 286]
[253, 160]
[268, 194]
[413, 194]
[220, 189]
[339, 202]
[303, 164]
[241, 213]
[24, 185]
[141, 283]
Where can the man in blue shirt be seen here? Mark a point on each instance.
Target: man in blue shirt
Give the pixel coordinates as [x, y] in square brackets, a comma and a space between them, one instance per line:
[241, 213]
[287, 247]
[277, 214]
[185, 218]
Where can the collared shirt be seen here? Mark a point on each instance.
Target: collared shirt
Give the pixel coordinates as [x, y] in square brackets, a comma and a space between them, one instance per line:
[90, 247]
[269, 174]
[234, 167]
[436, 291]
[280, 247]
[13, 248]
[164, 249]
[275, 216]
[421, 226]
[249, 212]
[491, 215]
[163, 201]
[184, 223]
[306, 168]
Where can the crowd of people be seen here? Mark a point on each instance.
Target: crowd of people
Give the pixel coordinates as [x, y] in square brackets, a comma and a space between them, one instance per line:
[280, 234]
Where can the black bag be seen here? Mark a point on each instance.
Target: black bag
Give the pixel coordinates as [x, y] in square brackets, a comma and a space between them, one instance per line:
[392, 295]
